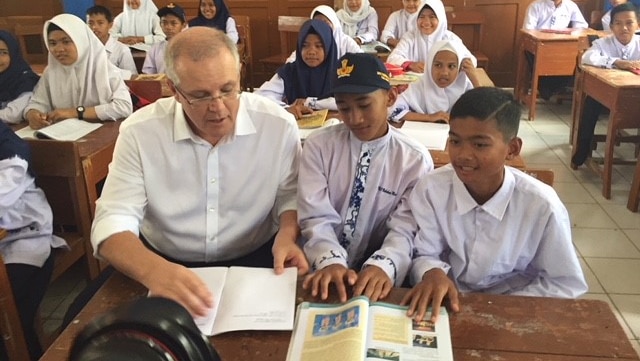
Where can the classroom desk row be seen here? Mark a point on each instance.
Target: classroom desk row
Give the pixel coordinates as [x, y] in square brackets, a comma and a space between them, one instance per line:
[488, 327]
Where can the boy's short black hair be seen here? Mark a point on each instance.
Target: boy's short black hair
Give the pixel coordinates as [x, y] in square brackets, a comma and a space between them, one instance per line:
[53, 27]
[99, 9]
[628, 6]
[486, 103]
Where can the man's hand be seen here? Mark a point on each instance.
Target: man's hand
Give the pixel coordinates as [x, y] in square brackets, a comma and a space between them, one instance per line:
[435, 285]
[298, 109]
[337, 274]
[287, 253]
[373, 282]
[180, 284]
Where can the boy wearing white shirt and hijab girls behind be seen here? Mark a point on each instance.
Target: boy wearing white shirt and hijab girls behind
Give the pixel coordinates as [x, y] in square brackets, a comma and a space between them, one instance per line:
[354, 182]
[400, 22]
[359, 20]
[79, 81]
[173, 20]
[137, 23]
[476, 232]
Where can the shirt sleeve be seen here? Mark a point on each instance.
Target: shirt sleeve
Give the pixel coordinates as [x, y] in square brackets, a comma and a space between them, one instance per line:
[273, 89]
[400, 53]
[232, 30]
[157, 34]
[116, 29]
[371, 28]
[13, 182]
[401, 107]
[390, 30]
[288, 187]
[12, 113]
[350, 45]
[40, 100]
[126, 62]
[326, 103]
[120, 105]
[531, 17]
[597, 55]
[149, 65]
[577, 19]
[606, 21]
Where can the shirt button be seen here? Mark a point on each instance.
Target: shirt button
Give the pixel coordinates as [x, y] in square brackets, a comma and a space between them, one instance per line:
[213, 180]
[212, 209]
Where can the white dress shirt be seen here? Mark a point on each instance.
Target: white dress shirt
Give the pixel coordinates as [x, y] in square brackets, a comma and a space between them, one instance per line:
[605, 51]
[120, 56]
[327, 170]
[193, 201]
[398, 23]
[413, 48]
[274, 90]
[543, 14]
[606, 21]
[154, 61]
[518, 242]
[11, 112]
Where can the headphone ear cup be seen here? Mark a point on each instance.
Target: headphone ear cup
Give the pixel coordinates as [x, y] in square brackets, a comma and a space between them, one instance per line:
[157, 323]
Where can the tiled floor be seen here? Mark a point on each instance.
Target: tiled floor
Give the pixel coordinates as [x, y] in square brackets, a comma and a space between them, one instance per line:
[606, 234]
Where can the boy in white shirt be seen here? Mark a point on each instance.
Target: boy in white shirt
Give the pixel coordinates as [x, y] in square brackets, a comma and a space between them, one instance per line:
[353, 186]
[172, 21]
[621, 50]
[553, 14]
[606, 18]
[484, 226]
[100, 21]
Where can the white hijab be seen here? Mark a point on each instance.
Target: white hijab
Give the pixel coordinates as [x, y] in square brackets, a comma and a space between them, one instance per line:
[425, 96]
[422, 42]
[327, 11]
[350, 19]
[138, 22]
[409, 21]
[85, 82]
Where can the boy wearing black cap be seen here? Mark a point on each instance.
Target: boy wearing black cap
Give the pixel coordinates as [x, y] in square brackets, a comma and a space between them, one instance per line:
[172, 21]
[353, 186]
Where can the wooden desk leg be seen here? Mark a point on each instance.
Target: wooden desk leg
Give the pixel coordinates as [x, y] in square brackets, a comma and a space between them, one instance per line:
[521, 86]
[607, 165]
[534, 89]
[634, 193]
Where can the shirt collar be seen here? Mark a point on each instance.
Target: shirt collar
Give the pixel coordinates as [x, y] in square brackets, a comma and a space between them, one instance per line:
[357, 145]
[496, 206]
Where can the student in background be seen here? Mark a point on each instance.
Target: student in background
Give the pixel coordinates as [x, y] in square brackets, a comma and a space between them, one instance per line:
[26, 249]
[430, 98]
[100, 22]
[475, 230]
[16, 80]
[621, 50]
[359, 20]
[79, 81]
[606, 18]
[303, 85]
[411, 52]
[173, 21]
[553, 14]
[215, 14]
[400, 22]
[355, 179]
[137, 23]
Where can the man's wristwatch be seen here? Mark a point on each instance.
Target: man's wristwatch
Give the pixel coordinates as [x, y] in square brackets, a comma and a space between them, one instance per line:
[80, 110]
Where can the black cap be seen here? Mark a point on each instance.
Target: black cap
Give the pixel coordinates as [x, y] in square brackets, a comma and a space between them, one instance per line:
[174, 9]
[360, 73]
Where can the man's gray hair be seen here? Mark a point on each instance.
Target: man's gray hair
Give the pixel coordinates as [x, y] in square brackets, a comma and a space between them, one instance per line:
[197, 43]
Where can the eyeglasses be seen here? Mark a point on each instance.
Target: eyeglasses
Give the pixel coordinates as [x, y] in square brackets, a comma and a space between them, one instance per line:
[225, 97]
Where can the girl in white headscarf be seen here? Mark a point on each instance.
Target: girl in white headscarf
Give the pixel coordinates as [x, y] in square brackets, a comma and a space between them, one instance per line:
[359, 20]
[411, 52]
[79, 81]
[400, 22]
[430, 99]
[137, 23]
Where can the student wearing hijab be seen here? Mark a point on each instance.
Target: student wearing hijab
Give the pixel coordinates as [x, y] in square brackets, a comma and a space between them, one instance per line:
[137, 23]
[215, 14]
[411, 52]
[16, 80]
[430, 99]
[400, 22]
[26, 250]
[79, 81]
[303, 84]
[359, 20]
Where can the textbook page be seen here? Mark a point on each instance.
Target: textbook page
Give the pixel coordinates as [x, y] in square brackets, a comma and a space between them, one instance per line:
[68, 129]
[330, 332]
[432, 135]
[214, 278]
[256, 299]
[394, 336]
[313, 120]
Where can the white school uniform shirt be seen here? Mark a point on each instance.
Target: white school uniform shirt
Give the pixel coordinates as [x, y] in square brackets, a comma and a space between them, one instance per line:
[398, 23]
[425, 96]
[11, 111]
[362, 24]
[154, 61]
[120, 56]
[327, 169]
[543, 14]
[274, 90]
[92, 81]
[518, 242]
[143, 21]
[605, 51]
[26, 215]
[194, 201]
[606, 21]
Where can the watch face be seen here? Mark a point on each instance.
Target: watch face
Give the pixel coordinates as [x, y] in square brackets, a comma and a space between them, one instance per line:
[80, 108]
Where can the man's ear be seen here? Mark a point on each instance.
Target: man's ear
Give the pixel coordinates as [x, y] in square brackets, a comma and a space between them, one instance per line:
[514, 145]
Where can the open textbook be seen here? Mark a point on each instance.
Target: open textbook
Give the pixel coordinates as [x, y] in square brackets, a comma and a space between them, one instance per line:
[248, 298]
[314, 119]
[432, 135]
[357, 330]
[68, 129]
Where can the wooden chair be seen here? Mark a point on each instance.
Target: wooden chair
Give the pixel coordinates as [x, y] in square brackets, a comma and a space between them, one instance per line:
[288, 26]
[468, 25]
[148, 89]
[546, 176]
[245, 50]
[634, 192]
[31, 42]
[10, 325]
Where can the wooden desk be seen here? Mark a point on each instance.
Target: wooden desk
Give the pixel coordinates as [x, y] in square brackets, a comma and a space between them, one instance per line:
[553, 54]
[3, 233]
[617, 90]
[488, 327]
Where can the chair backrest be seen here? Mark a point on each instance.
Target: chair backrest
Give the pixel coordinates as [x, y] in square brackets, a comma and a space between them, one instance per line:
[148, 89]
[468, 25]
[595, 22]
[289, 26]
[544, 175]
[245, 45]
[31, 42]
[95, 172]
[10, 325]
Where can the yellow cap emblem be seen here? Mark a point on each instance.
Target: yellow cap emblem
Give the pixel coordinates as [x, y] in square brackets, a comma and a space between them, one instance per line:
[345, 70]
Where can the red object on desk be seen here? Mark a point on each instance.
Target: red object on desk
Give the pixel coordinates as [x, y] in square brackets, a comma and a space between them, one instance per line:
[635, 71]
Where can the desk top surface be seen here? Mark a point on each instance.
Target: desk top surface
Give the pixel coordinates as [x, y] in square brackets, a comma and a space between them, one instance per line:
[488, 327]
[614, 77]
[575, 34]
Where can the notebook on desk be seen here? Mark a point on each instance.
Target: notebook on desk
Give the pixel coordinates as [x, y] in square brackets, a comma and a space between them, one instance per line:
[68, 129]
[432, 135]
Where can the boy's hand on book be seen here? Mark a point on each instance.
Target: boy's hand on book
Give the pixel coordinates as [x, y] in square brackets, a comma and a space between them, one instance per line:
[373, 282]
[337, 274]
[433, 288]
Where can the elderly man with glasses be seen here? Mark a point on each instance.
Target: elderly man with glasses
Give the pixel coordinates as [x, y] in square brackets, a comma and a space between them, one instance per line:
[204, 178]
